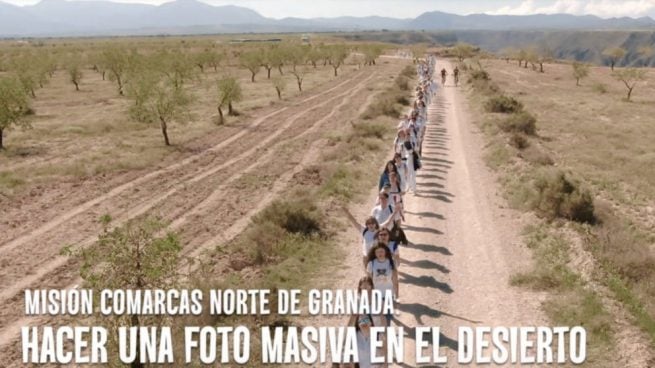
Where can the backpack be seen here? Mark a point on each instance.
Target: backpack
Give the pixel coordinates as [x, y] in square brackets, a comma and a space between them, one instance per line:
[417, 161]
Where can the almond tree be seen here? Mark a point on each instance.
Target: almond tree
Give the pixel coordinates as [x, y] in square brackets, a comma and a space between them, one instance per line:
[614, 54]
[300, 74]
[252, 61]
[280, 85]
[463, 51]
[630, 77]
[229, 91]
[117, 63]
[75, 73]
[159, 101]
[140, 255]
[14, 104]
[580, 71]
[338, 55]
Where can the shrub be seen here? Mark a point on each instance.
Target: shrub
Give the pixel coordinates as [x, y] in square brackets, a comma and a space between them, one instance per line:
[403, 83]
[503, 104]
[600, 88]
[297, 217]
[369, 130]
[479, 75]
[522, 122]
[519, 141]
[536, 156]
[408, 72]
[560, 195]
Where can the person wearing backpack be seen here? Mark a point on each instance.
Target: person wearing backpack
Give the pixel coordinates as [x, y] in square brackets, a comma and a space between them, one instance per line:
[368, 232]
[384, 212]
[397, 238]
[381, 269]
[405, 147]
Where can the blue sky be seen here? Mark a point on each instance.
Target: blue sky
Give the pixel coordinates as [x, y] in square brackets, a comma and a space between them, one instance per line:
[412, 8]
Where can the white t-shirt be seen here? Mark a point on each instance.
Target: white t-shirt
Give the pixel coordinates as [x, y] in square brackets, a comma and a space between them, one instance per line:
[382, 214]
[382, 274]
[368, 239]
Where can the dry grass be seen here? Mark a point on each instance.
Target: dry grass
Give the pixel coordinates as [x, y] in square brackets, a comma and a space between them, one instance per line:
[79, 134]
[606, 142]
[597, 135]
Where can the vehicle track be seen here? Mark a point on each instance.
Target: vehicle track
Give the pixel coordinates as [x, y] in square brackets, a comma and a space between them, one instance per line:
[205, 205]
[208, 154]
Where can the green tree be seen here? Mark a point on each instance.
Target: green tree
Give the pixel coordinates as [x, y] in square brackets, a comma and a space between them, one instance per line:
[229, 91]
[371, 53]
[580, 71]
[215, 59]
[463, 51]
[300, 74]
[338, 55]
[14, 104]
[614, 54]
[140, 255]
[280, 85]
[159, 101]
[75, 74]
[117, 63]
[314, 56]
[252, 61]
[630, 77]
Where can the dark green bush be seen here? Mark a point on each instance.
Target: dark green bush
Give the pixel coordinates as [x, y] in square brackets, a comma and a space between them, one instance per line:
[561, 196]
[503, 104]
[522, 122]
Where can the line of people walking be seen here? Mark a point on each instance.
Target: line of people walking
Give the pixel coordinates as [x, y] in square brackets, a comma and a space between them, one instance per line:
[382, 232]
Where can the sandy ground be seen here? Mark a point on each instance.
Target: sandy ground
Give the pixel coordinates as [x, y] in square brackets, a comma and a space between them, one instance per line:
[207, 196]
[464, 245]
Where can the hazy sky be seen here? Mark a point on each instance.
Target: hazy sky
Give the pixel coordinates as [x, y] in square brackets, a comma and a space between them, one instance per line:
[412, 8]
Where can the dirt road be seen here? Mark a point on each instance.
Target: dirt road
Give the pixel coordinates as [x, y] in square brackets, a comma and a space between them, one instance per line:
[463, 245]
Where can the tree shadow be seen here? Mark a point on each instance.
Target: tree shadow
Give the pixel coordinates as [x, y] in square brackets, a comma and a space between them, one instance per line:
[425, 281]
[426, 264]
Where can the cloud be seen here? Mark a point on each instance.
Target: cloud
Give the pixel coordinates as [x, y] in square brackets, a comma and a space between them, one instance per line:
[601, 8]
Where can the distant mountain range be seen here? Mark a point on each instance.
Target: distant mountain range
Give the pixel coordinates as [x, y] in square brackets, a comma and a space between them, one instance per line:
[98, 18]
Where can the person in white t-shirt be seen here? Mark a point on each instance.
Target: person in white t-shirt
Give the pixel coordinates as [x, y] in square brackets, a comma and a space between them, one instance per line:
[383, 272]
[367, 231]
[384, 211]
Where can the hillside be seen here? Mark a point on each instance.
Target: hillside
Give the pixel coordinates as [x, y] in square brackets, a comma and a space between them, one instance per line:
[579, 45]
[99, 18]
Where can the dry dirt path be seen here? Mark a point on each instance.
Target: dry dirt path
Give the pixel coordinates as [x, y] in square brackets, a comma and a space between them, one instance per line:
[464, 246]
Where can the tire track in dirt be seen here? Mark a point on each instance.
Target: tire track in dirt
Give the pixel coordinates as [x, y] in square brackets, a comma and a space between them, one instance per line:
[145, 206]
[60, 219]
[279, 185]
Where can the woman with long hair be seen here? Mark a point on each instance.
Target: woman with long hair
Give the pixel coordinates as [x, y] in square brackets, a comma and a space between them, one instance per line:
[368, 232]
[384, 177]
[383, 272]
[362, 324]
